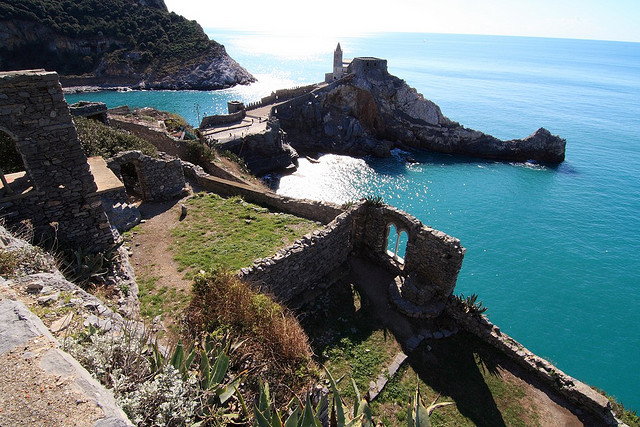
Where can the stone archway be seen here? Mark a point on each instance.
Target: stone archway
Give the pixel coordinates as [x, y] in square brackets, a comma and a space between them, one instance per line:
[33, 112]
[11, 165]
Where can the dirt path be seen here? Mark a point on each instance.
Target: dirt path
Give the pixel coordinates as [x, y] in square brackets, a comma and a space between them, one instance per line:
[156, 270]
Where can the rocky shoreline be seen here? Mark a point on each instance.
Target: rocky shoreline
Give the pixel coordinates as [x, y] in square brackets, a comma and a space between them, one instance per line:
[373, 112]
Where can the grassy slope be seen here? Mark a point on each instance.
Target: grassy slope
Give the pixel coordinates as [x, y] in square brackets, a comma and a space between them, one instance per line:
[232, 233]
[351, 342]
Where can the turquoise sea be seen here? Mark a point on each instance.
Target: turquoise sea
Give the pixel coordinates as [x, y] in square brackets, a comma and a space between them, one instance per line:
[553, 252]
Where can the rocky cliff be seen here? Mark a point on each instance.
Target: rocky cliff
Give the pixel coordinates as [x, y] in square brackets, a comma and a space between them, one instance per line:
[134, 43]
[264, 151]
[374, 112]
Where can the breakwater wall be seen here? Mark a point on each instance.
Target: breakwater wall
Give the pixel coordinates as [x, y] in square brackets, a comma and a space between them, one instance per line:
[281, 95]
[222, 119]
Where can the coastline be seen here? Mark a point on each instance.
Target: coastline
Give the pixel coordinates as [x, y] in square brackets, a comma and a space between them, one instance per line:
[557, 216]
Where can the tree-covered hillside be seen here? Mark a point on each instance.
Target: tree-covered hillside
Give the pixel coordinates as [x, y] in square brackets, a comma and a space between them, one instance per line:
[130, 39]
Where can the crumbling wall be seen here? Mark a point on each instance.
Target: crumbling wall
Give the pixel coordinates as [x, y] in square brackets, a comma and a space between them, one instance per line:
[322, 212]
[33, 112]
[433, 257]
[160, 178]
[300, 268]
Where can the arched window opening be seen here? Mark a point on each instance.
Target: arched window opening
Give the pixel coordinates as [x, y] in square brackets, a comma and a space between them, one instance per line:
[396, 243]
[13, 176]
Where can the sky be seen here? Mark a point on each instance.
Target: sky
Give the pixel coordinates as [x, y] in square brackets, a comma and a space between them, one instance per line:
[583, 19]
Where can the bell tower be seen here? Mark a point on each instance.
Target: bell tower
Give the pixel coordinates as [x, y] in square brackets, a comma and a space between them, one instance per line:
[337, 63]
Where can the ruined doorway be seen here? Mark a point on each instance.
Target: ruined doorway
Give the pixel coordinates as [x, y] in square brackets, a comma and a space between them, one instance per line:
[14, 178]
[130, 174]
[397, 240]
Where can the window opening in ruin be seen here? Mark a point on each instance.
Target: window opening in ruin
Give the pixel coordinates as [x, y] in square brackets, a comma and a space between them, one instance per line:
[13, 176]
[396, 243]
[131, 179]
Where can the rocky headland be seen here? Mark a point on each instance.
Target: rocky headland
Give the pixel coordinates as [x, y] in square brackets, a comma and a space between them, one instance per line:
[370, 112]
[115, 43]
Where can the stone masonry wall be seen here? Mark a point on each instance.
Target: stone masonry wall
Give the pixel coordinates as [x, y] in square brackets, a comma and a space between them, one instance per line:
[33, 112]
[298, 269]
[433, 257]
[221, 119]
[314, 210]
[574, 390]
[160, 178]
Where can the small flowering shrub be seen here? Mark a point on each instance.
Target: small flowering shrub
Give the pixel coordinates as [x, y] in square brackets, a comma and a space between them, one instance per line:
[155, 389]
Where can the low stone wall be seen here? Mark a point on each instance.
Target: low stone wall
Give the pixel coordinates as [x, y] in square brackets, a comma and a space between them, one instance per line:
[160, 178]
[300, 268]
[569, 387]
[169, 145]
[221, 119]
[322, 212]
[92, 110]
[281, 95]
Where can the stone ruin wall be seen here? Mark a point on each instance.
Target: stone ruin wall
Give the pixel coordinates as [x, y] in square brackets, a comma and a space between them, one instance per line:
[431, 254]
[322, 212]
[160, 178]
[297, 270]
[281, 95]
[33, 112]
[304, 265]
[574, 390]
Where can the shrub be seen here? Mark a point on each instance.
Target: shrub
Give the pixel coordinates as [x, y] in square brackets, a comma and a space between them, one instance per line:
[470, 304]
[98, 139]
[156, 388]
[275, 339]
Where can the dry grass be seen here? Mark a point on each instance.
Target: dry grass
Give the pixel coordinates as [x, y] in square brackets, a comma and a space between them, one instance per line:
[276, 347]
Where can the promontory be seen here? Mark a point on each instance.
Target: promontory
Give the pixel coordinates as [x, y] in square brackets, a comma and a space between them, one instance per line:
[112, 43]
[365, 110]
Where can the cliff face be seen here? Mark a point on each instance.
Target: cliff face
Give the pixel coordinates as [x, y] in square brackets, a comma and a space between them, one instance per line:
[135, 43]
[374, 112]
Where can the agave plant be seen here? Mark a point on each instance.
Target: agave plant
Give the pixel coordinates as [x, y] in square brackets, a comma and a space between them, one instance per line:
[471, 304]
[418, 415]
[295, 414]
[211, 370]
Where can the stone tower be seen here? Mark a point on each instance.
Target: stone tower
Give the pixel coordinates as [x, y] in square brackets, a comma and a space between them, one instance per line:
[337, 63]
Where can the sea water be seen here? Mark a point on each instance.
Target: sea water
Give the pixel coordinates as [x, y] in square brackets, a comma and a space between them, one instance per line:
[552, 251]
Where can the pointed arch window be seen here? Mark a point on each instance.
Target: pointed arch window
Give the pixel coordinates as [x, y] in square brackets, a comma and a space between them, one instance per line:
[397, 240]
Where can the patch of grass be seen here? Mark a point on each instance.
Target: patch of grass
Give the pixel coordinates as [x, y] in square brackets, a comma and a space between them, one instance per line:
[151, 299]
[231, 233]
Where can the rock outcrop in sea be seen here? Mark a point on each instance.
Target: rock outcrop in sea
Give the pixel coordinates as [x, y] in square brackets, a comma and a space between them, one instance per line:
[369, 111]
